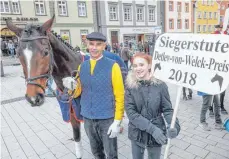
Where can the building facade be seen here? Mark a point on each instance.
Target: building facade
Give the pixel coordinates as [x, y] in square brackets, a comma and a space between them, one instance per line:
[206, 16]
[73, 19]
[128, 20]
[178, 16]
[223, 4]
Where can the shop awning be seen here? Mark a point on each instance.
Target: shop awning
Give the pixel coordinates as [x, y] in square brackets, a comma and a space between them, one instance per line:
[6, 32]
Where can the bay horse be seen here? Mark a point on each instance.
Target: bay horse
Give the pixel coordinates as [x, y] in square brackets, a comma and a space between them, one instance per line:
[42, 54]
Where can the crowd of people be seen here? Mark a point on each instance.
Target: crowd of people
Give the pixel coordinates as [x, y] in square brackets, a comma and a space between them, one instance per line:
[8, 47]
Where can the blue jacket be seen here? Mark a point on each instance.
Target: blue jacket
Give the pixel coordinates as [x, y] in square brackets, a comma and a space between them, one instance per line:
[201, 93]
[97, 98]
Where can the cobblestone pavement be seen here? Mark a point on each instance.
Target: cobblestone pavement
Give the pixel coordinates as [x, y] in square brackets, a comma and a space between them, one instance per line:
[40, 133]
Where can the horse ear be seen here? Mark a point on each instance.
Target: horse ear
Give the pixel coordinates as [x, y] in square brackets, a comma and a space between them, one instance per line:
[14, 28]
[48, 24]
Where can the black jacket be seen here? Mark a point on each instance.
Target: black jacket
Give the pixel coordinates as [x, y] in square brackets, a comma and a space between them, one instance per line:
[143, 116]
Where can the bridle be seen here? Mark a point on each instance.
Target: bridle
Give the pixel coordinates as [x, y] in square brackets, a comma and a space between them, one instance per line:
[31, 80]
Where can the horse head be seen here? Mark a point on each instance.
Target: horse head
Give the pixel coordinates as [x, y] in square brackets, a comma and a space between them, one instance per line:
[35, 55]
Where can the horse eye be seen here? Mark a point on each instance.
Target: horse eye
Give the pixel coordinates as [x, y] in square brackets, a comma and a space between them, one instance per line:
[46, 52]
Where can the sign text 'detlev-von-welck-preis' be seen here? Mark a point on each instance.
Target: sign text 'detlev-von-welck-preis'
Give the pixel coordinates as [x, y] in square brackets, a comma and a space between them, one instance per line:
[194, 61]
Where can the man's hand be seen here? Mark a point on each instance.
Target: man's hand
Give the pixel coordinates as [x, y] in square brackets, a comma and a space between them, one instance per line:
[172, 133]
[159, 136]
[69, 83]
[114, 129]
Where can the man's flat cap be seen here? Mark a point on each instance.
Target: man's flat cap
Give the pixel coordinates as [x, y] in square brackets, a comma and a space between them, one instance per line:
[96, 36]
[218, 26]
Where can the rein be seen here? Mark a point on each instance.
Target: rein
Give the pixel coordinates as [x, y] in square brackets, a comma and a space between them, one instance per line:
[31, 80]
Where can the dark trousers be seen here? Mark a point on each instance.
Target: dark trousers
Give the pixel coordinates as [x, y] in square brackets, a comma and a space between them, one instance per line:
[222, 95]
[126, 63]
[138, 151]
[96, 130]
[207, 102]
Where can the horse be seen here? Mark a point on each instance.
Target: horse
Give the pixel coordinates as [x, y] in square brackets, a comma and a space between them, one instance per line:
[43, 54]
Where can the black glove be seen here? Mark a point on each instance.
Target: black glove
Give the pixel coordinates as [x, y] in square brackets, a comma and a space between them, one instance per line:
[171, 133]
[159, 136]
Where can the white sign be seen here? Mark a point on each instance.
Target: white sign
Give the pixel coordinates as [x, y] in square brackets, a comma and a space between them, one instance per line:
[226, 20]
[199, 62]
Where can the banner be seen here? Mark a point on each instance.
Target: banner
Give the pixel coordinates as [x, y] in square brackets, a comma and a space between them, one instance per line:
[199, 62]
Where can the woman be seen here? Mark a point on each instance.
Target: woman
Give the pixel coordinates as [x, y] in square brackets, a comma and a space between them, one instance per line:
[146, 99]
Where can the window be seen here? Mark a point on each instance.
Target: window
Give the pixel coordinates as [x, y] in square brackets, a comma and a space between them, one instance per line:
[178, 6]
[186, 24]
[205, 15]
[171, 24]
[221, 18]
[113, 12]
[15, 7]
[151, 14]
[127, 13]
[82, 10]
[210, 15]
[5, 7]
[83, 34]
[186, 7]
[199, 15]
[204, 28]
[40, 7]
[140, 14]
[62, 8]
[212, 2]
[209, 28]
[215, 15]
[170, 5]
[198, 28]
[222, 7]
[178, 24]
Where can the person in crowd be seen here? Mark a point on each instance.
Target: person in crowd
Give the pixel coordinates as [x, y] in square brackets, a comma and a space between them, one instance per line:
[147, 104]
[108, 47]
[140, 46]
[223, 110]
[11, 48]
[49, 91]
[208, 100]
[125, 55]
[101, 87]
[146, 47]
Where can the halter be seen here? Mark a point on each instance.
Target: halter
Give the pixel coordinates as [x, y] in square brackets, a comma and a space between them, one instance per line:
[48, 74]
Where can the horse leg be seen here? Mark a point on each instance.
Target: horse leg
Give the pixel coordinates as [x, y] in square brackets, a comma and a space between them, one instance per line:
[76, 136]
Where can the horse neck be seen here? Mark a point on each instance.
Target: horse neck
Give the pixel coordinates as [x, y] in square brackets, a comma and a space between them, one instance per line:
[65, 61]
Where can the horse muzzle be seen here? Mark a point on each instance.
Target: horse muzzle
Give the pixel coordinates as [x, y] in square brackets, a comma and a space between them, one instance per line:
[37, 100]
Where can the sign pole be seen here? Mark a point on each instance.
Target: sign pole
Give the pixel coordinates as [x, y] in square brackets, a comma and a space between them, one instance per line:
[173, 119]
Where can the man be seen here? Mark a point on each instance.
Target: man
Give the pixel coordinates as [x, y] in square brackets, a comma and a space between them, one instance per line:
[218, 30]
[101, 88]
[125, 55]
[208, 100]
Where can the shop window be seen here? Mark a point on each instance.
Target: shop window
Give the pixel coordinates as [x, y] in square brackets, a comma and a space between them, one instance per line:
[82, 10]
[5, 6]
[127, 13]
[113, 12]
[170, 5]
[40, 7]
[140, 14]
[186, 7]
[178, 6]
[15, 7]
[186, 24]
[62, 8]
[171, 24]
[65, 35]
[152, 14]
